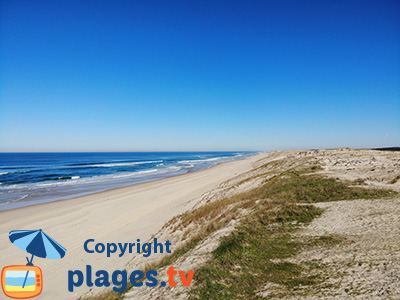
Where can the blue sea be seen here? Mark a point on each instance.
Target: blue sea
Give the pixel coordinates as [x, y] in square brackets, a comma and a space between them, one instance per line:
[32, 178]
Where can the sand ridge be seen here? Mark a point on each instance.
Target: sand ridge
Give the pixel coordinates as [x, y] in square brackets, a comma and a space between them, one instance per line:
[365, 268]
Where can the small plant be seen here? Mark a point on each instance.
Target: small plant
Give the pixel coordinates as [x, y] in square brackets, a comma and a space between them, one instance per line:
[394, 180]
[360, 181]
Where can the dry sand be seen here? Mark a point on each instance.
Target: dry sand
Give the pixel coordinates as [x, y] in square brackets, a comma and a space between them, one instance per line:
[366, 266]
[119, 215]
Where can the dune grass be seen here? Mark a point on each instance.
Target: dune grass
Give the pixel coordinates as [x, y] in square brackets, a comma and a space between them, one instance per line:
[294, 186]
[252, 258]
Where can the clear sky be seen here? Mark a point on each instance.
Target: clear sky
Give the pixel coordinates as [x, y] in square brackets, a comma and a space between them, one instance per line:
[198, 75]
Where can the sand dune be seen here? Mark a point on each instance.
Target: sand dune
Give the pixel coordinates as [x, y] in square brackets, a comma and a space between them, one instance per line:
[140, 211]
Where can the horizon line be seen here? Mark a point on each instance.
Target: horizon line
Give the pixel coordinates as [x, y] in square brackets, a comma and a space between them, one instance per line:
[260, 151]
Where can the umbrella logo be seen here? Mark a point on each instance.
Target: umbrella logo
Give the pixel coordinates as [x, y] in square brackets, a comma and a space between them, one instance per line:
[26, 281]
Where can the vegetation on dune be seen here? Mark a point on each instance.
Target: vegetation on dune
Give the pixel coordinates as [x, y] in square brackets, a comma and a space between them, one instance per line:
[253, 256]
[297, 187]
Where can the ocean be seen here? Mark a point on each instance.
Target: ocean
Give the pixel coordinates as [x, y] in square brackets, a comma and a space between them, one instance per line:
[33, 178]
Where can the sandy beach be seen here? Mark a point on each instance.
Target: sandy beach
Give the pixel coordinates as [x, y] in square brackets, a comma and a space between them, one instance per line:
[118, 215]
[365, 266]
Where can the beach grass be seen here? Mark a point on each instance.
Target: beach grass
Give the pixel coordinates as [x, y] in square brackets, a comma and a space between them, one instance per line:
[294, 186]
[251, 260]
[252, 256]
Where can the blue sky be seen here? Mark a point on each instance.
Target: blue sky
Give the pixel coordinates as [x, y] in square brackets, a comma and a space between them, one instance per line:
[198, 75]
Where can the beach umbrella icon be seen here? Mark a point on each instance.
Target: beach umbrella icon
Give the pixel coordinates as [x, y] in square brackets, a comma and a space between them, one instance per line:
[37, 243]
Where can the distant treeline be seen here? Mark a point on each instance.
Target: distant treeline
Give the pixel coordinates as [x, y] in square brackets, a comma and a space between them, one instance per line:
[388, 149]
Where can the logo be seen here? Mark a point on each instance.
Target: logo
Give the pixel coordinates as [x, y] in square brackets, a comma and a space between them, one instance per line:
[23, 282]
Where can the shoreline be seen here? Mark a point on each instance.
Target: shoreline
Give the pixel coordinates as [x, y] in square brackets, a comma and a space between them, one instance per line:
[84, 194]
[122, 214]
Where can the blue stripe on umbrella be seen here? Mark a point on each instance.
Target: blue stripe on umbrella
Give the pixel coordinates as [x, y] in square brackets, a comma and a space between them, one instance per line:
[23, 240]
[54, 242]
[20, 231]
[36, 246]
[18, 234]
[54, 249]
